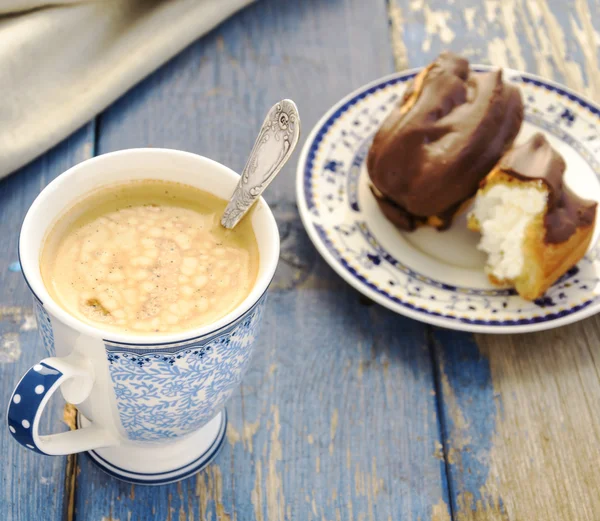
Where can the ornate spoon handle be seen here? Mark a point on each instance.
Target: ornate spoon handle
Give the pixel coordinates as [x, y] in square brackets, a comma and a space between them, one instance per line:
[273, 147]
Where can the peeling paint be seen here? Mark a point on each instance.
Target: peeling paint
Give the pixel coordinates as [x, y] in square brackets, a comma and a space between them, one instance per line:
[589, 41]
[491, 10]
[377, 483]
[542, 36]
[16, 314]
[439, 451]
[482, 509]
[542, 66]
[14, 320]
[368, 485]
[10, 348]
[274, 492]
[546, 426]
[397, 36]
[460, 434]
[209, 490]
[29, 322]
[257, 494]
[233, 435]
[552, 43]
[497, 52]
[436, 23]
[249, 430]
[360, 369]
[469, 14]
[468, 404]
[333, 429]
[511, 37]
[452, 456]
[439, 512]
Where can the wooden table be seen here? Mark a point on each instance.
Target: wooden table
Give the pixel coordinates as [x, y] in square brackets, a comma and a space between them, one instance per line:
[349, 412]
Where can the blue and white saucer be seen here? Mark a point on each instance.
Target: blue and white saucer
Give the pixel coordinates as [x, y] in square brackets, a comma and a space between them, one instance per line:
[437, 277]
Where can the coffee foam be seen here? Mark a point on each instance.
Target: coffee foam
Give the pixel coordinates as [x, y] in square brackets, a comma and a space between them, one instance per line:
[149, 257]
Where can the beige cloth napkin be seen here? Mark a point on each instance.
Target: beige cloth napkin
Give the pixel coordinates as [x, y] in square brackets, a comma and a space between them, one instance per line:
[62, 62]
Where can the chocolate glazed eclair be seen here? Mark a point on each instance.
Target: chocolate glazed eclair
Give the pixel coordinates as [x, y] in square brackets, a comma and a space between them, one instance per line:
[534, 227]
[450, 129]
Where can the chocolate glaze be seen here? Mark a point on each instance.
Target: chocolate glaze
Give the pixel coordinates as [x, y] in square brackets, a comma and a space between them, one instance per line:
[537, 160]
[425, 161]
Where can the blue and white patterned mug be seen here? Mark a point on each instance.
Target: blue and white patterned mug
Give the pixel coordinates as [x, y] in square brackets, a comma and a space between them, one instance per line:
[150, 408]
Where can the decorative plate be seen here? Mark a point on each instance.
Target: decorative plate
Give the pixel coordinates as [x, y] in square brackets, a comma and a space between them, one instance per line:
[437, 277]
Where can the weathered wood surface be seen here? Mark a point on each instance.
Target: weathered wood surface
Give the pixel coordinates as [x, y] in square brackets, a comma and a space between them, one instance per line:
[521, 422]
[520, 414]
[553, 38]
[338, 416]
[30, 486]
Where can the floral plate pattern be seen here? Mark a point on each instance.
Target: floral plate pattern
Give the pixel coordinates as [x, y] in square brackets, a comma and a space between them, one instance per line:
[437, 277]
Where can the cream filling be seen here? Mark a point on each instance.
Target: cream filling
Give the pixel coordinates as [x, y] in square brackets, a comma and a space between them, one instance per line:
[503, 213]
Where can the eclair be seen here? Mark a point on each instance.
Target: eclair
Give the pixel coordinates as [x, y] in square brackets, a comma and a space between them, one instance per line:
[449, 130]
[533, 227]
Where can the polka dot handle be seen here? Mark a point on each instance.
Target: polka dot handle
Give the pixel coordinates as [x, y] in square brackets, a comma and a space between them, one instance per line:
[27, 399]
[30, 397]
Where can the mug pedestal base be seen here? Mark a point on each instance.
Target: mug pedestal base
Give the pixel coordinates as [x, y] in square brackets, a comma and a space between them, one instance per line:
[164, 463]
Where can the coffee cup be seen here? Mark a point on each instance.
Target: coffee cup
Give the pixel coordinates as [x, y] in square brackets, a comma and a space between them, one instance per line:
[150, 407]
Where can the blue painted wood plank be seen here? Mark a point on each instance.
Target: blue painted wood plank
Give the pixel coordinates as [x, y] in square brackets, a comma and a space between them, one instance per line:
[519, 413]
[522, 434]
[337, 417]
[32, 486]
[467, 402]
[555, 39]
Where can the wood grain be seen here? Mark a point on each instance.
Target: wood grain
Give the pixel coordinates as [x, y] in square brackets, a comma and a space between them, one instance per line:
[548, 430]
[338, 424]
[337, 417]
[557, 40]
[521, 421]
[32, 486]
[519, 413]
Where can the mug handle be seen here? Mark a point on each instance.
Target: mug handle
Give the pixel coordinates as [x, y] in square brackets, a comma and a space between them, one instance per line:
[31, 395]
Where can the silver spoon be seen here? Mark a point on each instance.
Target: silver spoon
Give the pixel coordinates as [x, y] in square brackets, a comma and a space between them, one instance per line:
[274, 145]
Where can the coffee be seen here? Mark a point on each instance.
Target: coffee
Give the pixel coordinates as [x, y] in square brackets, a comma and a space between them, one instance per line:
[149, 257]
